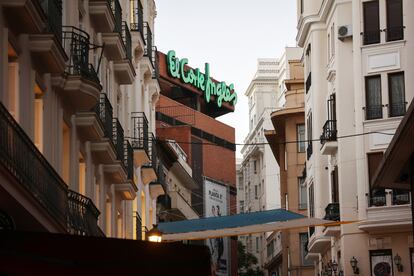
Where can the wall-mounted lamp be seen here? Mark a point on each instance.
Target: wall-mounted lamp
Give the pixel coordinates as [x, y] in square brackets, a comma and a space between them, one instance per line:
[397, 262]
[354, 264]
[154, 235]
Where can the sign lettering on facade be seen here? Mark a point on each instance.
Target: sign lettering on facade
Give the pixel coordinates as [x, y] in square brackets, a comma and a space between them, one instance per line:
[201, 81]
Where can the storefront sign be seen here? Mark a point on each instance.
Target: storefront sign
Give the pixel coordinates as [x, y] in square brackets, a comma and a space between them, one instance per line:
[201, 81]
[215, 205]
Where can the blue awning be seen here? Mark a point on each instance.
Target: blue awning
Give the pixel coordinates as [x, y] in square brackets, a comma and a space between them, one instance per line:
[233, 225]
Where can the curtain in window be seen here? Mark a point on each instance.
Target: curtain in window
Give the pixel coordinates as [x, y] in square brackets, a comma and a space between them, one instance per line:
[397, 94]
[373, 98]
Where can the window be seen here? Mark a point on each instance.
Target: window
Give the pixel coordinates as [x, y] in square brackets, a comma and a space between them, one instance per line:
[241, 204]
[255, 191]
[311, 202]
[373, 108]
[300, 137]
[372, 33]
[334, 186]
[301, 6]
[329, 47]
[333, 40]
[255, 166]
[396, 87]
[395, 28]
[308, 66]
[309, 136]
[377, 196]
[303, 199]
[257, 244]
[303, 239]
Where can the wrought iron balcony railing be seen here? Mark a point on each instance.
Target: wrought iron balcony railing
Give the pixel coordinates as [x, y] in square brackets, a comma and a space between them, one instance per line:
[117, 12]
[156, 62]
[148, 41]
[118, 139]
[395, 33]
[308, 83]
[309, 151]
[400, 197]
[20, 157]
[104, 111]
[152, 145]
[397, 109]
[128, 160]
[371, 37]
[138, 226]
[332, 212]
[126, 37]
[140, 131]
[377, 198]
[53, 11]
[373, 112]
[76, 44]
[137, 24]
[82, 215]
[329, 131]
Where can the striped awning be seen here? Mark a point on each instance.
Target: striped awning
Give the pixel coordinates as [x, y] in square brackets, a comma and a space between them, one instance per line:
[235, 225]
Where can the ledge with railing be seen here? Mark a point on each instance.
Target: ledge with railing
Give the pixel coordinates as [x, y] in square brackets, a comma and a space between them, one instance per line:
[394, 33]
[137, 24]
[156, 63]
[76, 43]
[140, 131]
[117, 12]
[329, 132]
[126, 38]
[128, 160]
[381, 198]
[397, 109]
[152, 145]
[149, 51]
[373, 112]
[53, 12]
[104, 111]
[371, 37]
[118, 138]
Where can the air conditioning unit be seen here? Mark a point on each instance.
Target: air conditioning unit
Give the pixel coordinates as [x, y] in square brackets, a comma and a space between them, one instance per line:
[344, 31]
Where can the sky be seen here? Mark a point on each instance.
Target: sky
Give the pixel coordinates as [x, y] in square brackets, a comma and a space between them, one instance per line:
[230, 35]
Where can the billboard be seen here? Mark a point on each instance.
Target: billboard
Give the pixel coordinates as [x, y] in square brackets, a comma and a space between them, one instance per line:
[215, 205]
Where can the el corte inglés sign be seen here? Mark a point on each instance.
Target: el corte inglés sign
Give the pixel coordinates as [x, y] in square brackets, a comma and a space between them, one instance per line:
[201, 81]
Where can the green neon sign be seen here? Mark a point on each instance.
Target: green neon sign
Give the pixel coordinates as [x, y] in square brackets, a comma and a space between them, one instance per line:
[201, 81]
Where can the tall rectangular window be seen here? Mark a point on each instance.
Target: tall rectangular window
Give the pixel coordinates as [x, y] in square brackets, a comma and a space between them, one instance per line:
[300, 137]
[309, 136]
[311, 202]
[335, 185]
[377, 196]
[303, 199]
[303, 239]
[372, 33]
[396, 91]
[257, 244]
[395, 28]
[373, 108]
[255, 191]
[255, 166]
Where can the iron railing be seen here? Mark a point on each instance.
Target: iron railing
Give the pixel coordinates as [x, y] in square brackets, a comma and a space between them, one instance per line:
[117, 12]
[373, 112]
[332, 212]
[377, 198]
[397, 109]
[309, 151]
[82, 215]
[371, 37]
[140, 131]
[395, 33]
[53, 11]
[149, 51]
[104, 111]
[152, 145]
[128, 160]
[76, 43]
[308, 83]
[118, 139]
[329, 131]
[21, 158]
[156, 62]
[137, 24]
[138, 226]
[400, 197]
[126, 38]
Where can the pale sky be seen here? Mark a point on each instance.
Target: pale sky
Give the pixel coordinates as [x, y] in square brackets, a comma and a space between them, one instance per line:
[230, 35]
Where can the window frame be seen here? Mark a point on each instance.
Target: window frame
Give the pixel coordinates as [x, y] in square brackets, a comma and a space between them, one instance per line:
[390, 102]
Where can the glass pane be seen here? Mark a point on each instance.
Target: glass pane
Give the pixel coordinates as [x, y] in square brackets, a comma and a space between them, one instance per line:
[397, 94]
[373, 98]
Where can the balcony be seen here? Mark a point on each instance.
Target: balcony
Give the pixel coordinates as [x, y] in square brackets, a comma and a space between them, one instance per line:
[24, 16]
[274, 249]
[140, 138]
[308, 82]
[328, 137]
[138, 226]
[332, 213]
[150, 169]
[137, 22]
[46, 48]
[181, 207]
[43, 191]
[371, 37]
[82, 216]
[124, 70]
[128, 160]
[102, 17]
[373, 112]
[387, 211]
[81, 86]
[118, 138]
[309, 151]
[114, 46]
[394, 33]
[156, 62]
[397, 109]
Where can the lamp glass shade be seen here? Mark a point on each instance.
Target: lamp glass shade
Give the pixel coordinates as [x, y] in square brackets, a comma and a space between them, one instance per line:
[154, 235]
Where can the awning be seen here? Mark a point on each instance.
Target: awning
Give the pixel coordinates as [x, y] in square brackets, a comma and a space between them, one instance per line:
[235, 225]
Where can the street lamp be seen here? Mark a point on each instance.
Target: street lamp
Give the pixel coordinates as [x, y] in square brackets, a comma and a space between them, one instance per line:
[154, 235]
[354, 264]
[397, 261]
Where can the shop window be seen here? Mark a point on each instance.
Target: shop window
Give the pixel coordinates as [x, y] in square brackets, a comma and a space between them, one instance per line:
[372, 32]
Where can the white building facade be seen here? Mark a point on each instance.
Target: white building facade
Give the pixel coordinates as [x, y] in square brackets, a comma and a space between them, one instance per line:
[357, 63]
